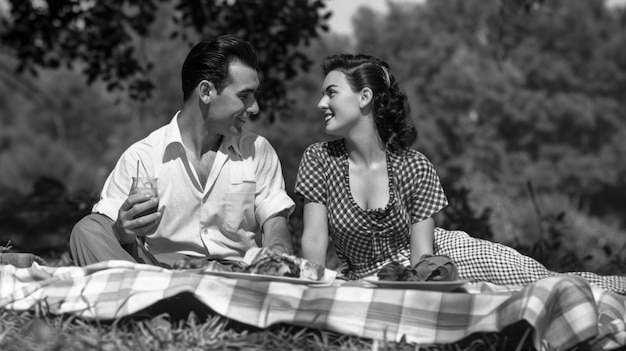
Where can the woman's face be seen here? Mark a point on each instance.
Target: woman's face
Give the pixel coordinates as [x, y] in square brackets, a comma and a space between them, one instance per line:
[340, 104]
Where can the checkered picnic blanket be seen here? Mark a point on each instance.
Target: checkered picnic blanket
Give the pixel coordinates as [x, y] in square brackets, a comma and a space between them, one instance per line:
[563, 310]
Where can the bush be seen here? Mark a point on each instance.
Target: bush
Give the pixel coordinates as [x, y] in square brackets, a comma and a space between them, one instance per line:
[553, 228]
[41, 221]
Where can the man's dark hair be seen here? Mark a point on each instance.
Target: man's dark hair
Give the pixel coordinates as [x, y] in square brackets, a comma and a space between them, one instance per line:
[209, 60]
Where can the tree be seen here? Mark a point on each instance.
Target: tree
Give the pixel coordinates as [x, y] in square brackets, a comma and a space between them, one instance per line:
[53, 125]
[104, 37]
[547, 110]
[500, 104]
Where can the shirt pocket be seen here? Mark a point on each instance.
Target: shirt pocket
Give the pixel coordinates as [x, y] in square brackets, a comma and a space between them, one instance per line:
[239, 206]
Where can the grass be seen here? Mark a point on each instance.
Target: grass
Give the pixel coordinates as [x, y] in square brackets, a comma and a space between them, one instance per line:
[32, 331]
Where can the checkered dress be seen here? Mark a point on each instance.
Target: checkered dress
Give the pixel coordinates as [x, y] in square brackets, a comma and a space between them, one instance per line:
[366, 240]
[482, 260]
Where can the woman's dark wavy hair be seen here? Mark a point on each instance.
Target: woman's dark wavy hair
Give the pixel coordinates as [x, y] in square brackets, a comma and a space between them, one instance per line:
[390, 105]
[209, 59]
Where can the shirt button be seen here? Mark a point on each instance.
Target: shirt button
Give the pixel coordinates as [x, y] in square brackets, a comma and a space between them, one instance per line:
[205, 231]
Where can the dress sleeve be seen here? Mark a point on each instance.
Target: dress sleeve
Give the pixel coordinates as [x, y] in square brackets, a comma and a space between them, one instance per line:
[311, 182]
[428, 196]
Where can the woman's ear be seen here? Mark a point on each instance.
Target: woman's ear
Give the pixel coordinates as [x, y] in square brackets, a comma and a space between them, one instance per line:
[367, 95]
[205, 88]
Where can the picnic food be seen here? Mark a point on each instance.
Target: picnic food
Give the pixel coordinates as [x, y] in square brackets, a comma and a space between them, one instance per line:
[265, 264]
[280, 266]
[287, 266]
[429, 268]
[310, 270]
[203, 263]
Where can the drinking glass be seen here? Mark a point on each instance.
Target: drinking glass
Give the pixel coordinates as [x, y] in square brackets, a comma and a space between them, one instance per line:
[145, 185]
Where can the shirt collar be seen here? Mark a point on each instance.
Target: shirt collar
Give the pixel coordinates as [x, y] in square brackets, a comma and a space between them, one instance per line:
[231, 142]
[172, 135]
[172, 132]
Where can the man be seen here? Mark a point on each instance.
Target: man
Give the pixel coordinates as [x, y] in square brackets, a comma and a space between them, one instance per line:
[220, 189]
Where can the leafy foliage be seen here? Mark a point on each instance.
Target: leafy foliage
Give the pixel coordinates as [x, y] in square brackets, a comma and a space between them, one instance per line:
[498, 104]
[103, 37]
[547, 112]
[47, 214]
[503, 91]
[460, 215]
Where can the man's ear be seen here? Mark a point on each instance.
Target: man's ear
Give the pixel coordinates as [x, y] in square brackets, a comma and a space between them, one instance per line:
[367, 95]
[206, 90]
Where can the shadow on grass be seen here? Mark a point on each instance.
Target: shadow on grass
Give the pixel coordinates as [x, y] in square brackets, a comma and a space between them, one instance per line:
[178, 309]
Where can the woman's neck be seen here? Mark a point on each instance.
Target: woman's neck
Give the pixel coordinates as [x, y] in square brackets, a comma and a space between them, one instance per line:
[365, 148]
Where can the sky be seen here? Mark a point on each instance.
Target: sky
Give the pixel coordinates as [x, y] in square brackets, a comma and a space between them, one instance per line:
[341, 20]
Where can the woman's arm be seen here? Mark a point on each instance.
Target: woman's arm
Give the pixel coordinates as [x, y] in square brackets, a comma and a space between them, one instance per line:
[422, 237]
[315, 233]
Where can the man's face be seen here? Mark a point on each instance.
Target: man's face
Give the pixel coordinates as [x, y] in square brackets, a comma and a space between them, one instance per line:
[230, 109]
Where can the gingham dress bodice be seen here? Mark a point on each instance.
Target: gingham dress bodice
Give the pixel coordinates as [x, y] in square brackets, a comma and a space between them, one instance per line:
[368, 239]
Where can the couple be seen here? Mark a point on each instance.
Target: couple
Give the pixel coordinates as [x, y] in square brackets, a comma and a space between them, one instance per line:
[221, 190]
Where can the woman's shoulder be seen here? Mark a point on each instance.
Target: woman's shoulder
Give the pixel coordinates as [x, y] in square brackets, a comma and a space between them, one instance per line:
[414, 158]
[326, 149]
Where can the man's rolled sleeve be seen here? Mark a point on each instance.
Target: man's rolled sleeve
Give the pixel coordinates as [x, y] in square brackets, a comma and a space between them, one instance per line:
[117, 187]
[274, 205]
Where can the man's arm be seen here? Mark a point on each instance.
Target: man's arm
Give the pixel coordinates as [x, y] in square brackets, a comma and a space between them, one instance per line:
[276, 234]
[272, 197]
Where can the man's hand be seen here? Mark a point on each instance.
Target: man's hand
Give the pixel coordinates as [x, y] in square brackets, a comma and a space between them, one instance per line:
[132, 220]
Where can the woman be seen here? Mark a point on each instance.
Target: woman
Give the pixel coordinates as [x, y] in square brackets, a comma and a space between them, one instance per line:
[374, 197]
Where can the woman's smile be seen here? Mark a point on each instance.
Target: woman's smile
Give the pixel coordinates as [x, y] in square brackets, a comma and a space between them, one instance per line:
[328, 116]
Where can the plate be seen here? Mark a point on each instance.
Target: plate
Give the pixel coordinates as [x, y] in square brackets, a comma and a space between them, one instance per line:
[424, 285]
[262, 278]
